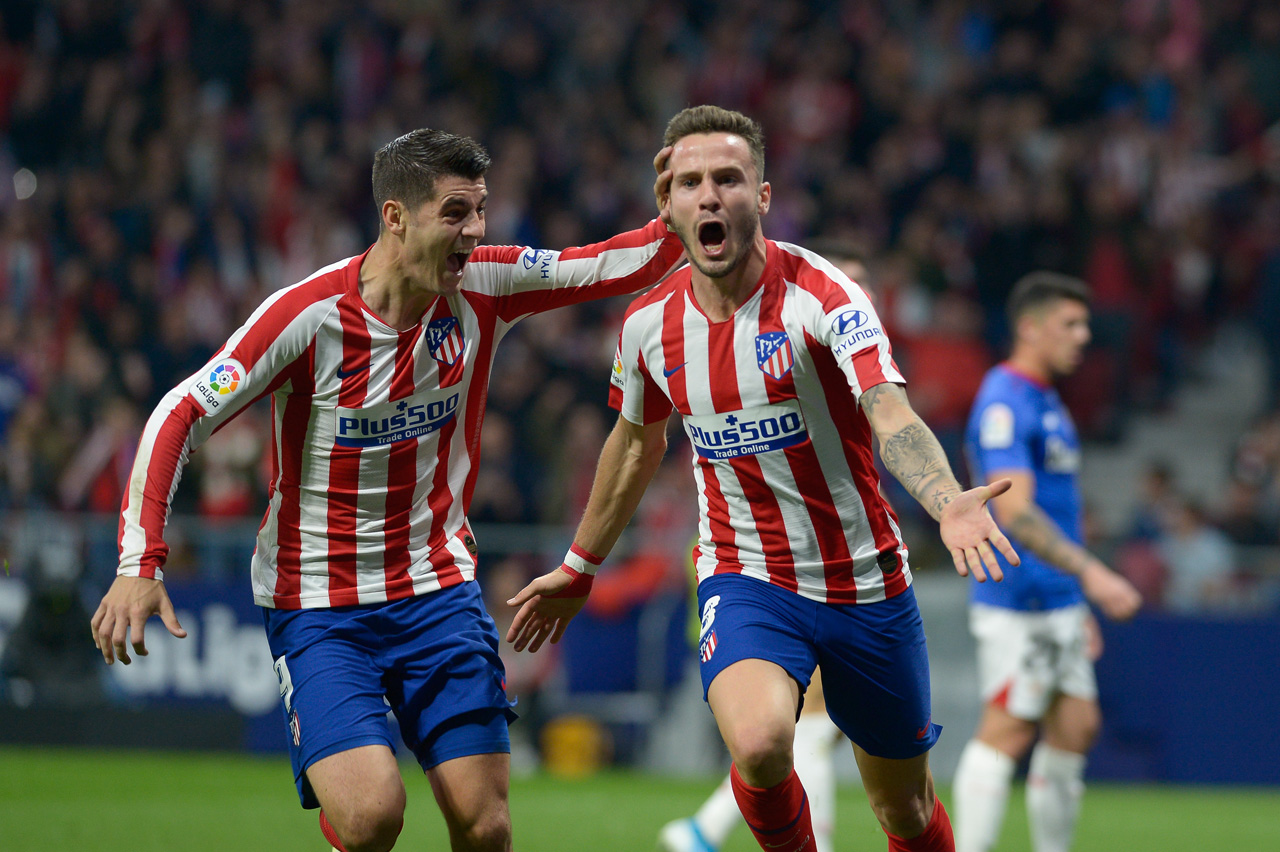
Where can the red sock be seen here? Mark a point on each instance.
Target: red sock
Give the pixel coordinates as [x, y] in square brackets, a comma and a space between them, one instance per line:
[329, 834]
[936, 836]
[777, 816]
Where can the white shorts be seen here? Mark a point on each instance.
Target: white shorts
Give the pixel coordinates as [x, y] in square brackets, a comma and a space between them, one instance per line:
[1025, 659]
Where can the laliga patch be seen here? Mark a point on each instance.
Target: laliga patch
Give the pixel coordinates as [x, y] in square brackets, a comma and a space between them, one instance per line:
[995, 430]
[217, 385]
[615, 377]
[773, 354]
[444, 340]
[709, 614]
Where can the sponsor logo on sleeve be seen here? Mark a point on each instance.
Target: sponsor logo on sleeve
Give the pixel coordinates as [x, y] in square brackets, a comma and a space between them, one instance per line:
[539, 259]
[852, 327]
[748, 432]
[995, 429]
[774, 354]
[215, 387]
[406, 419]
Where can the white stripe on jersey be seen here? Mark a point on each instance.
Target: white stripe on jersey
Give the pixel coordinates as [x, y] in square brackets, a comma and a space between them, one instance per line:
[801, 512]
[375, 441]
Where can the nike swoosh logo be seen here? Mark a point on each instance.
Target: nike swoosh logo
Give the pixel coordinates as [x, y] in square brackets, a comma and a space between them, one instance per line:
[343, 374]
[666, 374]
[924, 732]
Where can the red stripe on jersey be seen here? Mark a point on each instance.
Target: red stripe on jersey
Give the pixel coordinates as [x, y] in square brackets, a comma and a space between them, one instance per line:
[811, 482]
[287, 593]
[813, 281]
[856, 440]
[866, 366]
[344, 462]
[161, 473]
[271, 325]
[656, 405]
[722, 533]
[530, 301]
[765, 510]
[402, 477]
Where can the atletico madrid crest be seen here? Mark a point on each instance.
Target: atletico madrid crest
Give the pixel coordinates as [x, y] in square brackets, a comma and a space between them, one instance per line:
[708, 647]
[444, 340]
[773, 353]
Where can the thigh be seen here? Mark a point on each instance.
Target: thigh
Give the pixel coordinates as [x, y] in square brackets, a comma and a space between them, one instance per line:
[357, 781]
[875, 674]
[747, 619]
[446, 682]
[331, 688]
[473, 791]
[1018, 660]
[754, 698]
[1072, 724]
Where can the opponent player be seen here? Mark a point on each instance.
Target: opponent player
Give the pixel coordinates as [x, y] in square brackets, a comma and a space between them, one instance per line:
[767, 351]
[1034, 630]
[816, 734]
[377, 367]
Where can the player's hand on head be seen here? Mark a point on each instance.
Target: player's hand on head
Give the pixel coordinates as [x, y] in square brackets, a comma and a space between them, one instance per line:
[662, 184]
[542, 616]
[121, 617]
[1110, 592]
[969, 533]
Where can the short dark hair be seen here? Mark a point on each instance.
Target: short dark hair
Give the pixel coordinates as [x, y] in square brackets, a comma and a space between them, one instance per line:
[1037, 289]
[406, 168]
[714, 119]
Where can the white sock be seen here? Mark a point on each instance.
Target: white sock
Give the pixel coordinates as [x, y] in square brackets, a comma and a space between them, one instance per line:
[816, 736]
[718, 815]
[1055, 786]
[980, 791]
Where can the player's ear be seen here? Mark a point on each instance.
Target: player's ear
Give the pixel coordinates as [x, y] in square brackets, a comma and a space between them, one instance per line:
[766, 192]
[394, 216]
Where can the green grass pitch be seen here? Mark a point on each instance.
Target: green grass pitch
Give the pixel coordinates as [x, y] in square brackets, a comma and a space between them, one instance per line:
[55, 800]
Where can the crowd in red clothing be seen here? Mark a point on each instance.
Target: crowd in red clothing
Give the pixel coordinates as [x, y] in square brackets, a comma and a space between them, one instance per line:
[174, 162]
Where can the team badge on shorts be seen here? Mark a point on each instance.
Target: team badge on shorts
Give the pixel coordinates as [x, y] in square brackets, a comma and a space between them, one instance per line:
[708, 647]
[773, 353]
[444, 340]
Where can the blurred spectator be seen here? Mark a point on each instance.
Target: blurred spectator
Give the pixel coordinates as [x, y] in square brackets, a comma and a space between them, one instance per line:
[1199, 562]
[164, 166]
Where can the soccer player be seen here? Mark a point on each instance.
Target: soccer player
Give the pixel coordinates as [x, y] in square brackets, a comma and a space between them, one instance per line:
[816, 734]
[377, 367]
[782, 374]
[1034, 630]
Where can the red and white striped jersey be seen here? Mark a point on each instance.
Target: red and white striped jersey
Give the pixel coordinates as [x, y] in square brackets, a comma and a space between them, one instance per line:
[376, 431]
[782, 452]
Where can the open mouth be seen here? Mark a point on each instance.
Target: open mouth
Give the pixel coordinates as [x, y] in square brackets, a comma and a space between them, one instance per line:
[456, 261]
[711, 235]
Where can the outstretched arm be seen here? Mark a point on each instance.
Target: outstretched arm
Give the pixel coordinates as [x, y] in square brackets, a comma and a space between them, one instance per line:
[916, 459]
[1018, 512]
[630, 457]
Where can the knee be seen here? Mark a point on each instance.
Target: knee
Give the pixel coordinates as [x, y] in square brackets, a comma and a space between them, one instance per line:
[371, 829]
[763, 753]
[1076, 733]
[490, 832]
[905, 816]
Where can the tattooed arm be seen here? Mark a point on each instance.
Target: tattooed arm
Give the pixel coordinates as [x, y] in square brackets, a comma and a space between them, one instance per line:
[1017, 512]
[913, 455]
[909, 449]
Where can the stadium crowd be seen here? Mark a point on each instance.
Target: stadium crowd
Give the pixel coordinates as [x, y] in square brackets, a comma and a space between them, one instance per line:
[174, 162]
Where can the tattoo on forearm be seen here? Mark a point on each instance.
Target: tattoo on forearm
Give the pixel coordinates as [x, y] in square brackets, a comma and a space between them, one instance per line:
[914, 456]
[1032, 528]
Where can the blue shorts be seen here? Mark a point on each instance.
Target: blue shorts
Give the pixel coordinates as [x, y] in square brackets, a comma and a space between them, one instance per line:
[875, 666]
[433, 659]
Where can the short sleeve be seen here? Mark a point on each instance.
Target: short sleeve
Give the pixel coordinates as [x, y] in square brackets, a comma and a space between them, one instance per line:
[858, 342]
[632, 390]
